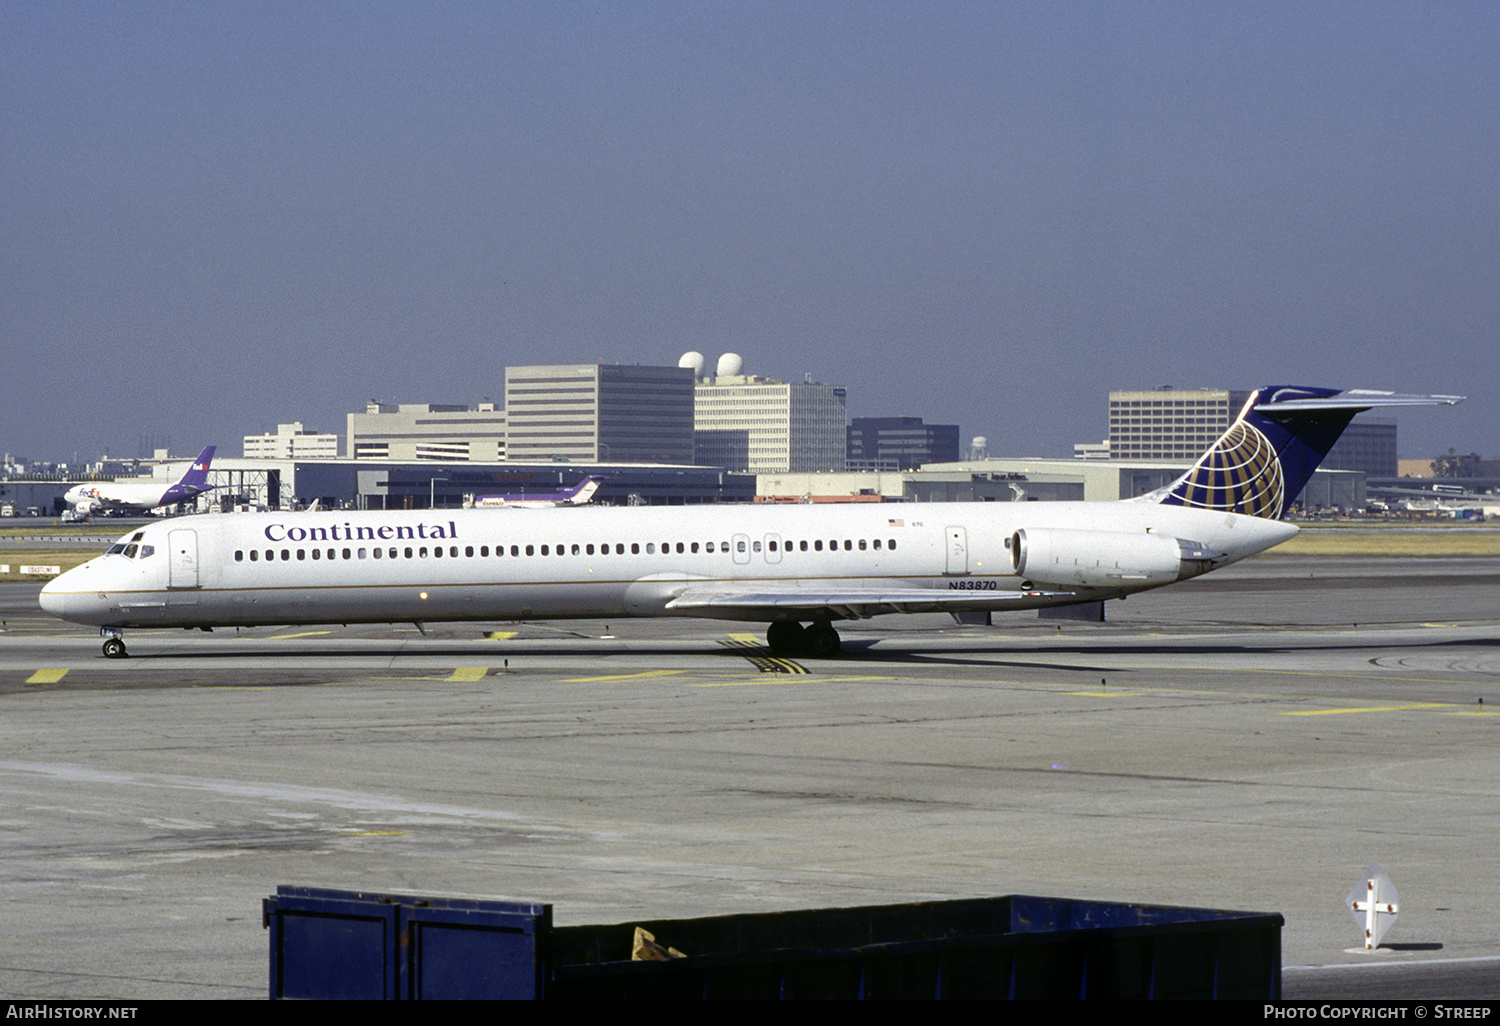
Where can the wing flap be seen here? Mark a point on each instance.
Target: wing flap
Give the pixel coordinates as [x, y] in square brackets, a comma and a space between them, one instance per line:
[847, 604]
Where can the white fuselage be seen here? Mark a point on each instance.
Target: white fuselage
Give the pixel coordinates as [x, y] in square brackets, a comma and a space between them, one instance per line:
[733, 562]
[115, 495]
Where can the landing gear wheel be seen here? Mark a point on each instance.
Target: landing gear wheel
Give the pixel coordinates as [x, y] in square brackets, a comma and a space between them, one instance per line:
[114, 648]
[822, 641]
[784, 637]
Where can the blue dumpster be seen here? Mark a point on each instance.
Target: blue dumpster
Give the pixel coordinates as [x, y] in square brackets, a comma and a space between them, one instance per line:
[337, 944]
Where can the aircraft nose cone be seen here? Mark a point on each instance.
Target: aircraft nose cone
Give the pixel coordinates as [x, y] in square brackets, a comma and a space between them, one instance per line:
[53, 600]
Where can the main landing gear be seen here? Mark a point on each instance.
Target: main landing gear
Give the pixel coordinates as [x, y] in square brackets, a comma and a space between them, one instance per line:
[114, 643]
[818, 640]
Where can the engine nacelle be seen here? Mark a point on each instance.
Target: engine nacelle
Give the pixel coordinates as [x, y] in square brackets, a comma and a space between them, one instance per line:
[1096, 559]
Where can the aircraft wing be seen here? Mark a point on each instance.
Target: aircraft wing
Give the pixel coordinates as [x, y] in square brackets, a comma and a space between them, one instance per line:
[846, 604]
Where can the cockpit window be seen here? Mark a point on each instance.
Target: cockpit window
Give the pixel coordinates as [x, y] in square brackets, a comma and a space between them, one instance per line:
[128, 548]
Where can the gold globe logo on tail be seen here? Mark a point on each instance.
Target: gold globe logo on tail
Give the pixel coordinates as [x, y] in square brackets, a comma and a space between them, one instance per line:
[1240, 474]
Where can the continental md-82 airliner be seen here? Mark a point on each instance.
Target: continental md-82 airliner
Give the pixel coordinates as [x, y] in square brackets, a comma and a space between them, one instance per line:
[796, 568]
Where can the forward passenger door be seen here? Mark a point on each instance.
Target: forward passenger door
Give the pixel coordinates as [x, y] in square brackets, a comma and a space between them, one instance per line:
[182, 558]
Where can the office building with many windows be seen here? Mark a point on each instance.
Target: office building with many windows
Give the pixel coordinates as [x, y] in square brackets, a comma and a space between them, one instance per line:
[749, 424]
[291, 442]
[1169, 424]
[899, 443]
[427, 431]
[616, 413]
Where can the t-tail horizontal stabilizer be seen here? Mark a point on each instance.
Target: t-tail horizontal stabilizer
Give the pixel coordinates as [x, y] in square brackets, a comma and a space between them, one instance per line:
[1264, 460]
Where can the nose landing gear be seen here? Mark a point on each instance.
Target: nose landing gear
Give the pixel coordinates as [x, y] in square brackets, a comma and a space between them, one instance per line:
[114, 643]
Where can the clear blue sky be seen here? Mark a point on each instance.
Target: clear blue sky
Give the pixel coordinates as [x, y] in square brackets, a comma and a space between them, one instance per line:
[216, 217]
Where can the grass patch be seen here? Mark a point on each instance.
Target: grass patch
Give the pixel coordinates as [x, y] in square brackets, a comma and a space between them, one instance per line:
[30, 528]
[1397, 542]
[67, 559]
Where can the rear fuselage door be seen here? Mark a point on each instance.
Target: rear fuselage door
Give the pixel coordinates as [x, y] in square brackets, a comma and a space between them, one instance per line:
[958, 551]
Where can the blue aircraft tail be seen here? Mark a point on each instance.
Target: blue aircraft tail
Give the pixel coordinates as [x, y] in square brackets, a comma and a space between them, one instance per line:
[193, 482]
[197, 475]
[1261, 464]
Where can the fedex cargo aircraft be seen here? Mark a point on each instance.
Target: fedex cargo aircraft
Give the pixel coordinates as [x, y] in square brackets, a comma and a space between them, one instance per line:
[133, 496]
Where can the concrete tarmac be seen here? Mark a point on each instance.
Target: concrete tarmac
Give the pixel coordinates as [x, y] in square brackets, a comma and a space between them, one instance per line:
[1251, 740]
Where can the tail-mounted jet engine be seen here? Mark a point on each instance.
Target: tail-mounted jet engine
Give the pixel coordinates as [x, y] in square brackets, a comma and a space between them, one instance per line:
[1105, 559]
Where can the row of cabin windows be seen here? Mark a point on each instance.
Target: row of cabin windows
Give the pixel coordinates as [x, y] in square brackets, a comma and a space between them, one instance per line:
[576, 549]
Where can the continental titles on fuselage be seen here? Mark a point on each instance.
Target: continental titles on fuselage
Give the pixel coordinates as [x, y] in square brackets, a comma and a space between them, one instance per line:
[347, 532]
